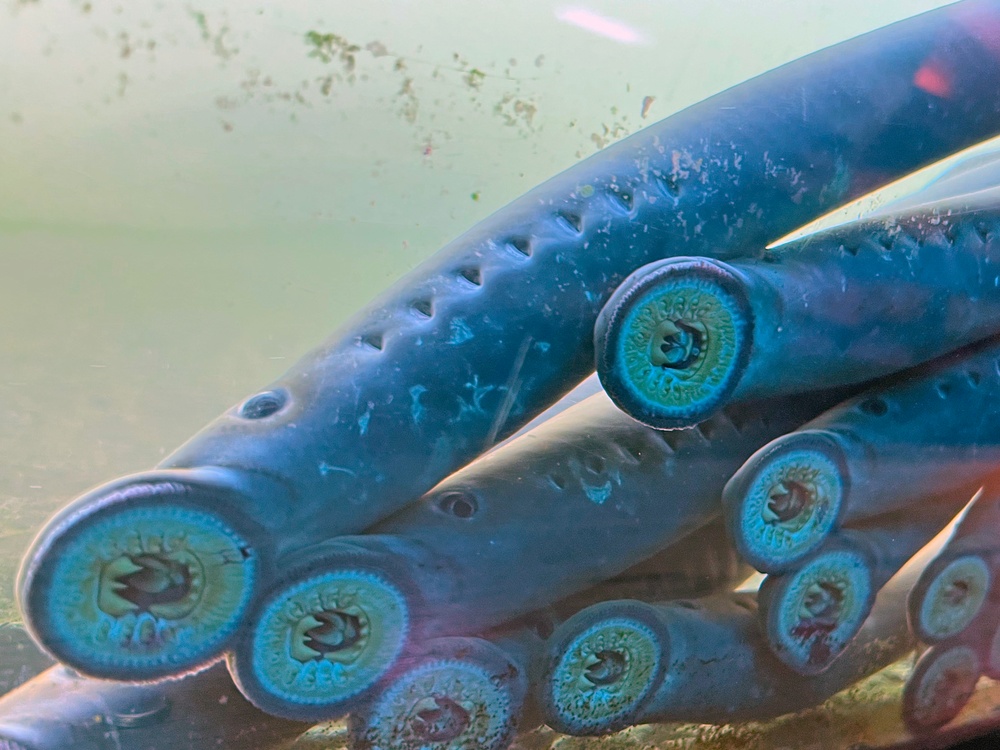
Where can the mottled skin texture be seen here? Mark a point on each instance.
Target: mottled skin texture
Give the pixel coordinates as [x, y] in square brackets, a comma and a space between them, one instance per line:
[945, 413]
[480, 549]
[719, 668]
[959, 589]
[811, 614]
[59, 709]
[498, 325]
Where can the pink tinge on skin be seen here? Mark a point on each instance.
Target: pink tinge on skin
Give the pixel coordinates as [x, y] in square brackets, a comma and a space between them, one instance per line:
[595, 23]
[934, 78]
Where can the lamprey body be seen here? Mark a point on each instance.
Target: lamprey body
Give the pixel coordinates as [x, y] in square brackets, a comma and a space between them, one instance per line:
[860, 301]
[60, 710]
[455, 694]
[479, 339]
[810, 615]
[960, 586]
[480, 548]
[926, 431]
[702, 661]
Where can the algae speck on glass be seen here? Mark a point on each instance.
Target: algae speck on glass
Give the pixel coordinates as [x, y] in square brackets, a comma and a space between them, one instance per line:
[523, 493]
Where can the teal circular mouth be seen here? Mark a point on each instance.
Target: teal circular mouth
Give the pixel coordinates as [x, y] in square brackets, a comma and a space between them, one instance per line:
[813, 613]
[144, 587]
[948, 603]
[446, 703]
[320, 642]
[787, 500]
[674, 340]
[603, 667]
[939, 687]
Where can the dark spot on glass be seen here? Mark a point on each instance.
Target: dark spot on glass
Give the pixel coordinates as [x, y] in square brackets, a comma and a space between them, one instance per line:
[458, 504]
[263, 404]
[558, 481]
[943, 389]
[595, 464]
[472, 274]
[875, 406]
[974, 377]
[851, 247]
[687, 604]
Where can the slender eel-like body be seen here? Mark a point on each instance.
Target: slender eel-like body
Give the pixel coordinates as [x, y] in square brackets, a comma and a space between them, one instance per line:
[625, 662]
[682, 337]
[702, 563]
[925, 432]
[957, 587]
[810, 615]
[60, 710]
[460, 692]
[582, 497]
[477, 340]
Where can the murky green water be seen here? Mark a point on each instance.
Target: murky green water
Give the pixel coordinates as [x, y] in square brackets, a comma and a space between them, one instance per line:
[193, 195]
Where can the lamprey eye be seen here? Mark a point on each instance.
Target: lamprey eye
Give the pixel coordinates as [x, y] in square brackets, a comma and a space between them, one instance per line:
[461, 505]
[264, 405]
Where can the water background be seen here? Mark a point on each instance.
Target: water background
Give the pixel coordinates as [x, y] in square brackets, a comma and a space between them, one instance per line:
[194, 194]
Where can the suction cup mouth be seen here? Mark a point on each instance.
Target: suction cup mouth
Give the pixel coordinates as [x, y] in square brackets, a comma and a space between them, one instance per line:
[324, 638]
[604, 664]
[471, 697]
[950, 600]
[941, 684]
[787, 500]
[813, 613]
[674, 340]
[140, 579]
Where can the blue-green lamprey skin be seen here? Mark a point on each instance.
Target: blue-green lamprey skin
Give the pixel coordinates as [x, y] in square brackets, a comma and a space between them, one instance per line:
[959, 588]
[60, 710]
[703, 661]
[681, 338]
[811, 614]
[857, 460]
[480, 549]
[141, 578]
[477, 340]
[456, 694]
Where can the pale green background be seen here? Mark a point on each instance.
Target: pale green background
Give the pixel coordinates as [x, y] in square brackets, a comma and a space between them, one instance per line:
[189, 201]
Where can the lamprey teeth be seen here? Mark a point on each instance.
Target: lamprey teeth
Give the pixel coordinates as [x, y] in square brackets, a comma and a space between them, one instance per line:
[110, 586]
[337, 636]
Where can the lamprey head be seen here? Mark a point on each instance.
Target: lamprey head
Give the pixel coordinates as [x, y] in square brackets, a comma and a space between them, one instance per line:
[147, 577]
[601, 667]
[785, 501]
[323, 636]
[939, 687]
[674, 340]
[465, 694]
[812, 614]
[949, 595]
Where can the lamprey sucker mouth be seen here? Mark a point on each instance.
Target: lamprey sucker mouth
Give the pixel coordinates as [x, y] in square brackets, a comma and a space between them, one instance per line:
[602, 672]
[673, 340]
[320, 641]
[140, 591]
